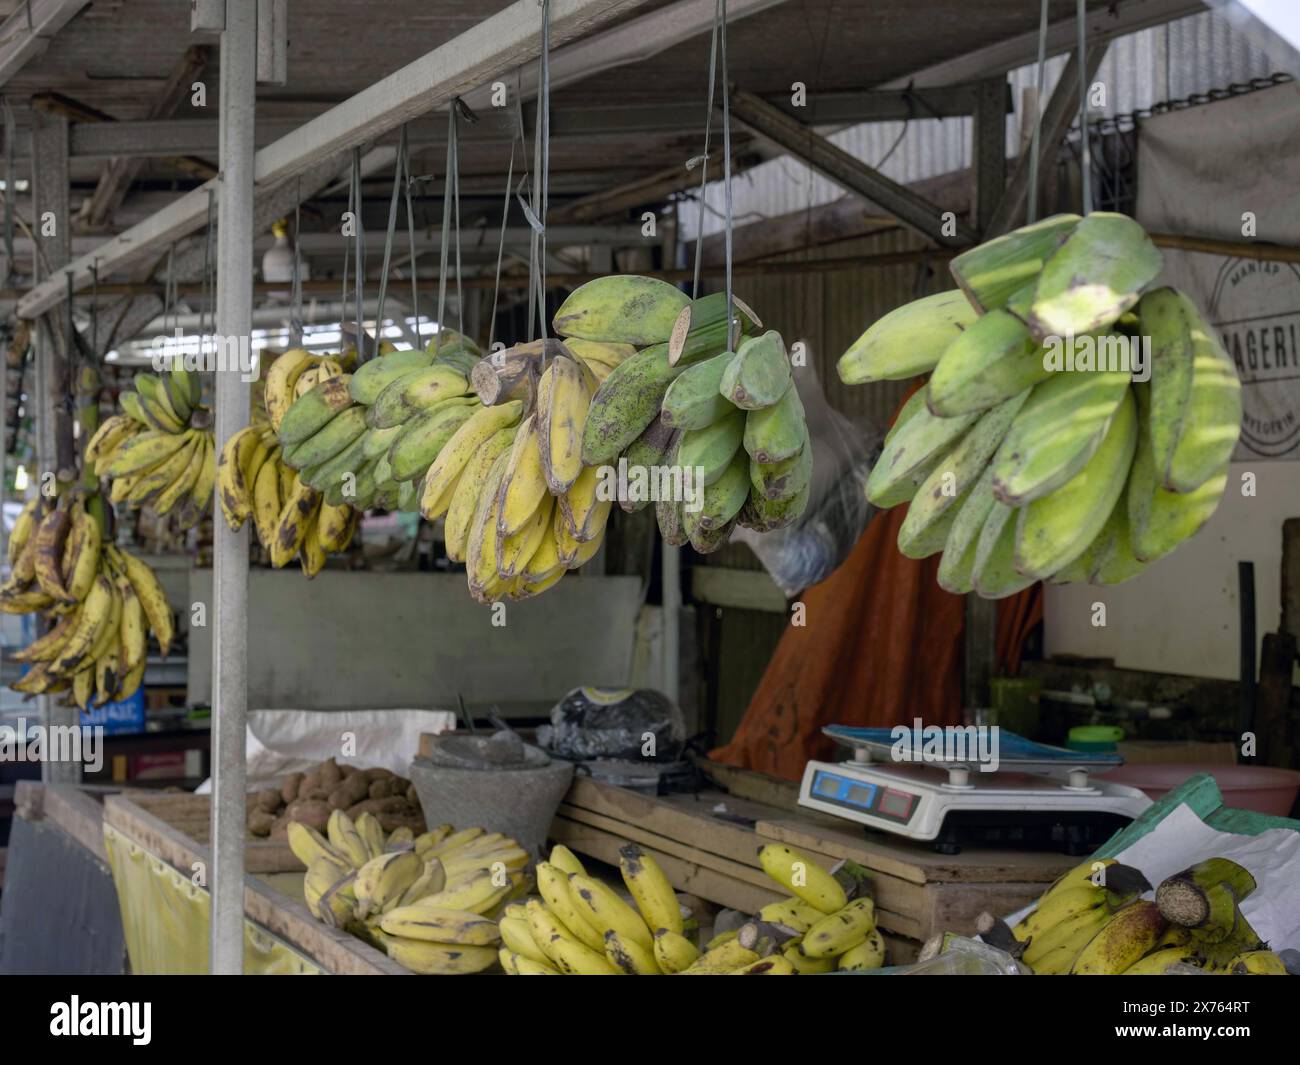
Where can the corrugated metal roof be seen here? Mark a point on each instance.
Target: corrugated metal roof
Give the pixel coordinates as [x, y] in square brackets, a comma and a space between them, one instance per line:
[1137, 72]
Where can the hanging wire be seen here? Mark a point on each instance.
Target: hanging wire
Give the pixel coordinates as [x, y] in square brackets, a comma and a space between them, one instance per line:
[10, 136]
[295, 291]
[449, 184]
[1081, 18]
[388, 239]
[94, 307]
[404, 151]
[542, 148]
[726, 163]
[704, 159]
[358, 255]
[460, 295]
[1031, 211]
[516, 139]
[209, 298]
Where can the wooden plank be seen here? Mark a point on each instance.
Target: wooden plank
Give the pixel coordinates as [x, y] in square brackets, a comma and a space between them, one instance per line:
[80, 816]
[919, 865]
[685, 876]
[337, 951]
[687, 818]
[747, 784]
[1291, 576]
[625, 832]
[740, 589]
[191, 815]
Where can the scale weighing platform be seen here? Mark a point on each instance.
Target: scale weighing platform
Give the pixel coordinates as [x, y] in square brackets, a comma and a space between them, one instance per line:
[1039, 796]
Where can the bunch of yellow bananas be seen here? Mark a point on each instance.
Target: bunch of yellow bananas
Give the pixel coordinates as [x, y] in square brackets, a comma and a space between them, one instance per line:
[430, 901]
[253, 480]
[106, 602]
[686, 402]
[1091, 923]
[1032, 453]
[159, 453]
[520, 508]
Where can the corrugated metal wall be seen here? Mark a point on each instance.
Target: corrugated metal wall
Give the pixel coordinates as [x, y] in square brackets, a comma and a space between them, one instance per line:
[1138, 72]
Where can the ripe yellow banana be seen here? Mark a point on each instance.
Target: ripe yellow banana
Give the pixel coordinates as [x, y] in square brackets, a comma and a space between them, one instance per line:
[631, 957]
[523, 483]
[152, 596]
[841, 931]
[602, 907]
[553, 885]
[803, 877]
[650, 889]
[470, 488]
[467, 441]
[439, 959]
[281, 377]
[382, 881]
[439, 925]
[562, 402]
[566, 953]
[1128, 935]
[869, 954]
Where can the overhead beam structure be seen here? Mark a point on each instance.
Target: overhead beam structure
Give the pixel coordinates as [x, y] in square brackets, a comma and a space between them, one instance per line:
[1102, 25]
[177, 137]
[26, 33]
[847, 171]
[1059, 115]
[490, 50]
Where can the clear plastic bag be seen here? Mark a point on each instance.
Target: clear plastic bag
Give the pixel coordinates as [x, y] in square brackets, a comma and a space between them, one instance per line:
[810, 550]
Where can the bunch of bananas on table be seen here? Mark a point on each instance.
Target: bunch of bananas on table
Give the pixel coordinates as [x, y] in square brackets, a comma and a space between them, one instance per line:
[103, 603]
[1032, 453]
[1091, 922]
[159, 452]
[254, 482]
[582, 926]
[430, 902]
[686, 405]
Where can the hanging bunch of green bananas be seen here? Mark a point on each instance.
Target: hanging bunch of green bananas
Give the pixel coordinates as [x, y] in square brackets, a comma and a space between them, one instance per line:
[1092, 922]
[430, 901]
[254, 482]
[102, 602]
[1032, 453]
[688, 405]
[159, 452]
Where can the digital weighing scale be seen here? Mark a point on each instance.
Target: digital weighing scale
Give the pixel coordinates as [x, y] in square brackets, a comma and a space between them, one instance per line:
[1038, 795]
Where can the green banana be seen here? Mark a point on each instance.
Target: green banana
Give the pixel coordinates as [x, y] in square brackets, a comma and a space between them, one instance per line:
[1207, 432]
[991, 272]
[759, 374]
[330, 440]
[956, 568]
[314, 409]
[694, 399]
[1096, 275]
[990, 362]
[712, 448]
[626, 402]
[723, 498]
[701, 328]
[415, 393]
[775, 481]
[911, 448]
[348, 460]
[373, 377]
[776, 433]
[949, 481]
[994, 574]
[1057, 431]
[622, 308]
[1168, 317]
[908, 340]
[1159, 520]
[413, 452]
[652, 448]
[1055, 529]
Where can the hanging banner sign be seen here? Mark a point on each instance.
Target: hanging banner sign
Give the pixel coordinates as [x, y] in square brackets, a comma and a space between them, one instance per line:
[1227, 170]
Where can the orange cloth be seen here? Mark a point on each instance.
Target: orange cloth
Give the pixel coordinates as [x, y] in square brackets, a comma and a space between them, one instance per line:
[882, 644]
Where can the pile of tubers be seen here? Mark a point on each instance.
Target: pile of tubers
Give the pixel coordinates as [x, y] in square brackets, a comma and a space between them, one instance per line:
[309, 798]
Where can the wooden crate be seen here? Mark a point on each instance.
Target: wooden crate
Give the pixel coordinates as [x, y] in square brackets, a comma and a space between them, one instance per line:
[335, 951]
[191, 815]
[708, 845]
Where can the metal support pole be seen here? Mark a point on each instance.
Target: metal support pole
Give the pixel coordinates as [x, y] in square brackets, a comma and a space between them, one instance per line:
[52, 220]
[230, 550]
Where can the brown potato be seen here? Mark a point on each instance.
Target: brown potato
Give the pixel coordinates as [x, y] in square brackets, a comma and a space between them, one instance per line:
[289, 787]
[270, 800]
[381, 789]
[330, 775]
[311, 812]
[352, 790]
[260, 823]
